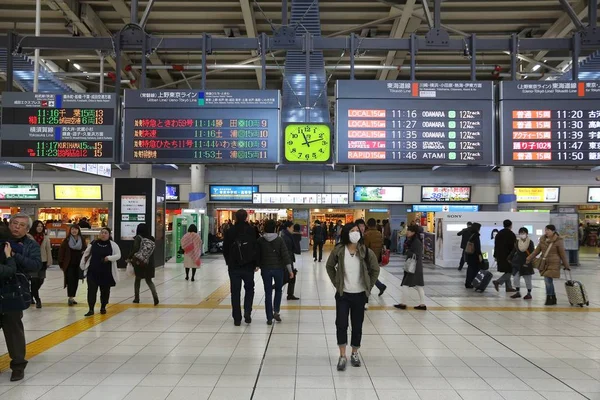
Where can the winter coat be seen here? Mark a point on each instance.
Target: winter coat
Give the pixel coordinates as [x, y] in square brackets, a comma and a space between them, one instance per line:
[374, 241]
[319, 234]
[550, 268]
[369, 267]
[475, 258]
[68, 256]
[465, 234]
[292, 245]
[147, 272]
[273, 253]
[503, 246]
[387, 231]
[518, 257]
[416, 279]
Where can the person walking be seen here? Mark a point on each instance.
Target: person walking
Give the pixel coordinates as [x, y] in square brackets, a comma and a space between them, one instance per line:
[319, 236]
[374, 240]
[191, 244]
[552, 250]
[413, 280]
[240, 250]
[273, 261]
[523, 248]
[475, 258]
[338, 231]
[26, 255]
[504, 244]
[387, 234]
[145, 270]
[99, 265]
[292, 243]
[353, 270]
[38, 233]
[69, 258]
[464, 234]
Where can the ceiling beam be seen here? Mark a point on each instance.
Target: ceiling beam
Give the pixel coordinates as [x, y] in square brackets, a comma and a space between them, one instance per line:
[401, 56]
[398, 31]
[121, 9]
[251, 31]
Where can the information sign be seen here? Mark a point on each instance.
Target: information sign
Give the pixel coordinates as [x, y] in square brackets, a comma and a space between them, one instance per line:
[232, 193]
[594, 194]
[385, 122]
[45, 127]
[77, 192]
[446, 194]
[444, 208]
[373, 194]
[537, 194]
[300, 198]
[550, 123]
[17, 191]
[186, 126]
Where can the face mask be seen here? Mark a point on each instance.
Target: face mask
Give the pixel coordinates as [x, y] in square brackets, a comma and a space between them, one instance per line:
[523, 237]
[354, 237]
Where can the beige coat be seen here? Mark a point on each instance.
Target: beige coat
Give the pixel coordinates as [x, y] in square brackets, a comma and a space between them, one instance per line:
[46, 254]
[550, 267]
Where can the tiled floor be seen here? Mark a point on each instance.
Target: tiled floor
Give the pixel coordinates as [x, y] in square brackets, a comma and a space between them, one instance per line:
[467, 346]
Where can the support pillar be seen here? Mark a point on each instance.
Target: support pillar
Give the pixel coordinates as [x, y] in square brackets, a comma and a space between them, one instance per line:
[507, 200]
[140, 171]
[197, 195]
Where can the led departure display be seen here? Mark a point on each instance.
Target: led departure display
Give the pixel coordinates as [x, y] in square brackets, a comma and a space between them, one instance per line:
[44, 127]
[550, 123]
[185, 126]
[381, 122]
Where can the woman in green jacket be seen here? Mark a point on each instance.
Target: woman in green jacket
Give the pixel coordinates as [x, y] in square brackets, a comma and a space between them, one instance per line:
[353, 270]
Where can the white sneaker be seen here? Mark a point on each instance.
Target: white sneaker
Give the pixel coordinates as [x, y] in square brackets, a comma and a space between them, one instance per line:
[367, 307]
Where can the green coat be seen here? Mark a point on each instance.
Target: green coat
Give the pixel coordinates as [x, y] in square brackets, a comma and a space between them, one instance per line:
[369, 271]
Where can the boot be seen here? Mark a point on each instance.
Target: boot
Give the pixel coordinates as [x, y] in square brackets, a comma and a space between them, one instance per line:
[553, 300]
[548, 301]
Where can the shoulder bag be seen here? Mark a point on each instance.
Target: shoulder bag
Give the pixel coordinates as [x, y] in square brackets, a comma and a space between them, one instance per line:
[540, 263]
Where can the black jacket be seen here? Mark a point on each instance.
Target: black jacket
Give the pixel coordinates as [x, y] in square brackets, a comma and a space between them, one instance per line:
[273, 254]
[232, 234]
[31, 259]
[503, 246]
[292, 245]
[318, 234]
[474, 259]
[465, 235]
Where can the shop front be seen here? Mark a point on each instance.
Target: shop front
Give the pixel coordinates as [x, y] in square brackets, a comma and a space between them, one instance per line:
[96, 216]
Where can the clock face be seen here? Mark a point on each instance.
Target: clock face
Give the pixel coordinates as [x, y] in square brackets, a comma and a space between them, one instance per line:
[307, 143]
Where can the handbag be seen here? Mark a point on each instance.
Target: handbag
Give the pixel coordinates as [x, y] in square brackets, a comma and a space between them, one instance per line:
[15, 293]
[129, 269]
[410, 266]
[385, 258]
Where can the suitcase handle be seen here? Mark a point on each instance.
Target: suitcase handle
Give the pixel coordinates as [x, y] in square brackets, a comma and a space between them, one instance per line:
[568, 275]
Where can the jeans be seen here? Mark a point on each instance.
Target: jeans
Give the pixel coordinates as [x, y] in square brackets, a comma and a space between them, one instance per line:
[268, 276]
[14, 335]
[93, 293]
[549, 286]
[320, 246]
[527, 278]
[353, 305]
[137, 284]
[236, 276]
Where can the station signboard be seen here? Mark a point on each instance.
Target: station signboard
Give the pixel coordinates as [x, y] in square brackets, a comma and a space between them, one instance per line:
[300, 198]
[232, 192]
[446, 194]
[537, 194]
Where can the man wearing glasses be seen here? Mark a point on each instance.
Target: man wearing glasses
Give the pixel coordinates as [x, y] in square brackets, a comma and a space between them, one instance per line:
[27, 256]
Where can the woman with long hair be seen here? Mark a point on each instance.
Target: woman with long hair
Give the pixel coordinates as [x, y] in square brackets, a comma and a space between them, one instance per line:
[69, 258]
[38, 233]
[415, 249]
[99, 264]
[147, 271]
[353, 270]
[191, 243]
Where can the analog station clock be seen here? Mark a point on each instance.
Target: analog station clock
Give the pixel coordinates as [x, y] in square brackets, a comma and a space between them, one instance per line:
[307, 143]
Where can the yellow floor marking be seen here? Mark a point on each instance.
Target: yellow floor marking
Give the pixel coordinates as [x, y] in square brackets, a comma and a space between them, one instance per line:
[55, 338]
[216, 297]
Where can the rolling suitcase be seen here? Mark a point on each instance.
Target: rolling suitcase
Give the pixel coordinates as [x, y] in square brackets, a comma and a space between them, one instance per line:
[482, 280]
[576, 291]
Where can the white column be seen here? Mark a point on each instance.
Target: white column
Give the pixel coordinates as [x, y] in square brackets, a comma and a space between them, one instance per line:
[36, 58]
[197, 195]
[507, 201]
[140, 171]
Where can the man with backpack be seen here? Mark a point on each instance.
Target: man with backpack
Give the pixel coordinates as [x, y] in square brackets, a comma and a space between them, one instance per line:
[319, 237]
[240, 249]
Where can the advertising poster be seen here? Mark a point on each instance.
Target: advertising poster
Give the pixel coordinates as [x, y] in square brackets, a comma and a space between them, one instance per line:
[446, 194]
[10, 191]
[128, 229]
[77, 192]
[537, 194]
[567, 228]
[378, 193]
[594, 194]
[429, 247]
[172, 192]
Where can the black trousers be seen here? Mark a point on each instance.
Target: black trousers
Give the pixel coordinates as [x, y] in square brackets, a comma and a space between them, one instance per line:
[461, 263]
[472, 270]
[138, 283]
[93, 294]
[320, 246]
[353, 305]
[72, 274]
[292, 282]
[36, 284]
[14, 334]
[236, 277]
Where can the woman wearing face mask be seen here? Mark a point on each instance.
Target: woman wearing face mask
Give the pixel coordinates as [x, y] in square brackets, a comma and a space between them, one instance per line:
[38, 233]
[353, 270]
[415, 247]
[523, 248]
[99, 264]
[552, 250]
[69, 258]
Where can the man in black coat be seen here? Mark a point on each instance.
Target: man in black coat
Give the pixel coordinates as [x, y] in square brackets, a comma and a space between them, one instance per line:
[293, 246]
[504, 244]
[465, 235]
[318, 240]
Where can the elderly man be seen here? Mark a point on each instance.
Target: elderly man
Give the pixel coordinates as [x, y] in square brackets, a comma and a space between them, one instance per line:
[27, 255]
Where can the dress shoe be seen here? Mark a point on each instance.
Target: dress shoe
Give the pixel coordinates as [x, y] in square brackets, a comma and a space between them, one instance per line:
[17, 375]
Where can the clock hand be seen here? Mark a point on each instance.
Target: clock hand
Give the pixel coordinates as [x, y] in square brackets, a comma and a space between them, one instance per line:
[312, 141]
[305, 139]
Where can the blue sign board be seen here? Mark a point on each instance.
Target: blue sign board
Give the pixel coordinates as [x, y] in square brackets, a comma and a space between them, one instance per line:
[444, 208]
[232, 193]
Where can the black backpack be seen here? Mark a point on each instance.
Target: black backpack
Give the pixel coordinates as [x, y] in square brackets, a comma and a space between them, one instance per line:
[244, 249]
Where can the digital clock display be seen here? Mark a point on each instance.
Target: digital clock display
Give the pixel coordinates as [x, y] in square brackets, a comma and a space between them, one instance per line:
[414, 122]
[550, 123]
[49, 128]
[235, 126]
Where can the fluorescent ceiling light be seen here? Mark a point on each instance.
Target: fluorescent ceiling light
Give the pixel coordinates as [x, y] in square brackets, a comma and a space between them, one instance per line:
[536, 67]
[77, 66]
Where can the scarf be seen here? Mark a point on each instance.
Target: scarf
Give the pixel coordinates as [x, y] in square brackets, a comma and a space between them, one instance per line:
[192, 245]
[39, 238]
[523, 245]
[75, 244]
